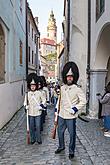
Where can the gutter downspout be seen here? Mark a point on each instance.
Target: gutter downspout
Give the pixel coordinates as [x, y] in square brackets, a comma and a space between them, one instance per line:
[68, 31]
[26, 40]
[88, 57]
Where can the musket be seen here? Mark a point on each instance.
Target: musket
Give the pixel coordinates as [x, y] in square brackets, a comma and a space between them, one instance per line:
[56, 122]
[27, 118]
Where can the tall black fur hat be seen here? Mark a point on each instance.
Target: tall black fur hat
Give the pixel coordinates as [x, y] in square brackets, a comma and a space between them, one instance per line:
[74, 68]
[40, 81]
[44, 81]
[30, 78]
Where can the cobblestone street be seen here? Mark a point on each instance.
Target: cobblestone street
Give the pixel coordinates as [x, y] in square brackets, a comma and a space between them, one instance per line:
[91, 146]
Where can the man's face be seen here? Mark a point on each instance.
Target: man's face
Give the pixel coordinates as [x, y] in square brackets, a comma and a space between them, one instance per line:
[69, 80]
[33, 87]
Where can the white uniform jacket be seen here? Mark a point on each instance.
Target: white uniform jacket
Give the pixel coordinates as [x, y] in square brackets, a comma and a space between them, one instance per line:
[47, 93]
[75, 96]
[34, 100]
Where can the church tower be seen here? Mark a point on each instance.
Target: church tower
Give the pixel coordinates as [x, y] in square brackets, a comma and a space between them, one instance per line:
[52, 28]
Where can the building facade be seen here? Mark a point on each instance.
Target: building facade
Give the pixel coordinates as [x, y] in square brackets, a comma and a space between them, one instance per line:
[87, 43]
[33, 42]
[60, 56]
[12, 57]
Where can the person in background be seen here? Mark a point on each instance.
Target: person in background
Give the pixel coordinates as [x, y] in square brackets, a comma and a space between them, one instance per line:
[45, 88]
[105, 101]
[46, 91]
[40, 88]
[72, 100]
[56, 94]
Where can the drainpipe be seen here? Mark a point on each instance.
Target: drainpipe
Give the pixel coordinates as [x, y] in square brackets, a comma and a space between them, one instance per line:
[68, 31]
[88, 57]
[26, 39]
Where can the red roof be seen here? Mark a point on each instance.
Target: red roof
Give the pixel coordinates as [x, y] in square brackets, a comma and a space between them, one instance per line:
[48, 41]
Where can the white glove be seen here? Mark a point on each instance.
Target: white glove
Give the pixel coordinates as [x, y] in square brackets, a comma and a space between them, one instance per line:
[99, 97]
[72, 111]
[27, 107]
[48, 103]
[40, 108]
[56, 116]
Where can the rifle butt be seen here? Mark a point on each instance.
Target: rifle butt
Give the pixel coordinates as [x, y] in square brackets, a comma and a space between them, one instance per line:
[53, 133]
[28, 137]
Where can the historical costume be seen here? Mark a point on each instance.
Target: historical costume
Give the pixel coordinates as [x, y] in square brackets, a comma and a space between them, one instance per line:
[72, 100]
[36, 101]
[46, 90]
[40, 87]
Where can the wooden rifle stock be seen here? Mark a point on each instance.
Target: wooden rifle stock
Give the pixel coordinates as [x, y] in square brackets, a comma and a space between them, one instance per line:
[53, 133]
[28, 134]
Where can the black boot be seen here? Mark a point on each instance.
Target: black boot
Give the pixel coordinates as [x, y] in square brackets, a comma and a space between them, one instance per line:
[32, 142]
[71, 156]
[59, 150]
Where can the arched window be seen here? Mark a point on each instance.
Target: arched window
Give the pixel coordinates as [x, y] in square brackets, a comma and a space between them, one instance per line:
[2, 55]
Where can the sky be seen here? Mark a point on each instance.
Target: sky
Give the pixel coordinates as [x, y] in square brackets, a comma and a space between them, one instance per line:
[42, 9]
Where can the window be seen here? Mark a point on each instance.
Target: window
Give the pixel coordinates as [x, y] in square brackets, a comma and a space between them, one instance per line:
[32, 57]
[32, 33]
[2, 55]
[28, 26]
[35, 38]
[21, 53]
[29, 54]
[100, 6]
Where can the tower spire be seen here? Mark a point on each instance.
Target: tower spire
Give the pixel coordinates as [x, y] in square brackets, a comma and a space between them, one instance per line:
[52, 28]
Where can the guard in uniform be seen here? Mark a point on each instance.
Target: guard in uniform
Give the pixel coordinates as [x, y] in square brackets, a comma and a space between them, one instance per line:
[36, 101]
[72, 100]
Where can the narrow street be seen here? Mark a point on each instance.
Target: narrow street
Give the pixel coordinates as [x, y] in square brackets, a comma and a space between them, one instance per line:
[91, 146]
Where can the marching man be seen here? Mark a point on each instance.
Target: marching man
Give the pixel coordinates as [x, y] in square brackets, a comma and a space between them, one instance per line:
[72, 100]
[36, 101]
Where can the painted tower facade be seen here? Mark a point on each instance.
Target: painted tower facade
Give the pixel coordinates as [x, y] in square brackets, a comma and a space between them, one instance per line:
[52, 28]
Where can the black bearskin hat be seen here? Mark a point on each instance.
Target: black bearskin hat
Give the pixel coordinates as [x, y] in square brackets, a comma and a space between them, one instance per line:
[40, 81]
[30, 77]
[74, 69]
[107, 88]
[44, 81]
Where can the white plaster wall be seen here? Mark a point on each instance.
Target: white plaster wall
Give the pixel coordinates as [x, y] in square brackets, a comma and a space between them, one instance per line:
[100, 51]
[78, 37]
[11, 100]
[103, 50]
[13, 23]
[97, 80]
[31, 42]
[97, 28]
